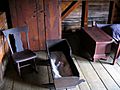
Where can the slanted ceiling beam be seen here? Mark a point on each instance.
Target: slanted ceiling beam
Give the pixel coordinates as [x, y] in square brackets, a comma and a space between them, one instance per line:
[70, 8]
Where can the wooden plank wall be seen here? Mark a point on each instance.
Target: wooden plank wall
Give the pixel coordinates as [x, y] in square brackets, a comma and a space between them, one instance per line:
[42, 18]
[73, 20]
[64, 5]
[3, 25]
[70, 8]
[3, 46]
[87, 11]
[52, 19]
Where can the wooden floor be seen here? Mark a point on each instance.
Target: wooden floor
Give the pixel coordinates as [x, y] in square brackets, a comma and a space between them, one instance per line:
[99, 75]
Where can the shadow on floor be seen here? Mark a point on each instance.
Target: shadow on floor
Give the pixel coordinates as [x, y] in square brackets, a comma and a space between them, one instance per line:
[29, 77]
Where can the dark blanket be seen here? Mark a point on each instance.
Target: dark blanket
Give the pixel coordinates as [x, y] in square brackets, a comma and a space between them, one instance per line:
[111, 29]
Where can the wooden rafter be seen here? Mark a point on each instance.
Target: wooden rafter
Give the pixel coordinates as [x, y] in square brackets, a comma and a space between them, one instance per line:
[70, 8]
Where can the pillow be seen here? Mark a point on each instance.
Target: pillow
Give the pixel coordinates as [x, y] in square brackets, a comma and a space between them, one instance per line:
[60, 64]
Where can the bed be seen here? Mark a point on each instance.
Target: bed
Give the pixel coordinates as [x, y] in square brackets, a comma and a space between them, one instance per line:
[114, 31]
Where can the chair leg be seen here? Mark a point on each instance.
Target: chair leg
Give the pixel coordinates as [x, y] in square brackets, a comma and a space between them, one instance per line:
[35, 66]
[116, 54]
[18, 67]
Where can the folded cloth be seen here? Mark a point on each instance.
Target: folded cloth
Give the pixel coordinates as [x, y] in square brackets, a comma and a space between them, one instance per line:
[111, 29]
[116, 31]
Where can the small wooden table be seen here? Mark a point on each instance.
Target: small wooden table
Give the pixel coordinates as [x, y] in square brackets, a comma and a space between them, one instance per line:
[98, 42]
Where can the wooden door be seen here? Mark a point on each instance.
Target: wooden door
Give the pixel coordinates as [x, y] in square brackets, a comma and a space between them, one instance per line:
[29, 12]
[42, 18]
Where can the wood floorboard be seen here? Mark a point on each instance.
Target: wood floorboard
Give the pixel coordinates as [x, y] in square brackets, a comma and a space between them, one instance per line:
[19, 85]
[83, 85]
[74, 88]
[99, 75]
[118, 61]
[92, 78]
[9, 78]
[8, 85]
[104, 76]
[30, 81]
[113, 72]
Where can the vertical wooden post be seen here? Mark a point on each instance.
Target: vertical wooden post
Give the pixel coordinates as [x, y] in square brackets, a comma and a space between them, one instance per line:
[84, 13]
[111, 12]
[52, 20]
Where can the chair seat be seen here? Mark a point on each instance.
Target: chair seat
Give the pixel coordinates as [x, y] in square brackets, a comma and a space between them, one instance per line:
[23, 56]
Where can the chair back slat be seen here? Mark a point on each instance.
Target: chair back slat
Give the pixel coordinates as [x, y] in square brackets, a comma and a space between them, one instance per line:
[16, 32]
[18, 42]
[8, 39]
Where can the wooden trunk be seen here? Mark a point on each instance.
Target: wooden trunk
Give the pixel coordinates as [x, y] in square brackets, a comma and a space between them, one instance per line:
[97, 43]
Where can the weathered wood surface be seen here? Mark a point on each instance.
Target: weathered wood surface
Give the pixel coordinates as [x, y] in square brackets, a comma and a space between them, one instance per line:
[87, 11]
[27, 14]
[70, 8]
[3, 25]
[97, 43]
[98, 75]
[30, 81]
[42, 18]
[64, 5]
[52, 19]
[3, 46]
[3, 21]
[92, 78]
[104, 76]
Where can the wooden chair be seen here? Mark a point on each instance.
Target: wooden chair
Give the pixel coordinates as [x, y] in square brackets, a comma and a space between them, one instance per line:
[22, 57]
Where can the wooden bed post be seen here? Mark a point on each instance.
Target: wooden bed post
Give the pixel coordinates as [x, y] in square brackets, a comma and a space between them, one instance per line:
[117, 53]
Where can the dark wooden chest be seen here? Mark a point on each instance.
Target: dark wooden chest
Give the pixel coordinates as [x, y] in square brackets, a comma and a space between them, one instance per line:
[97, 43]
